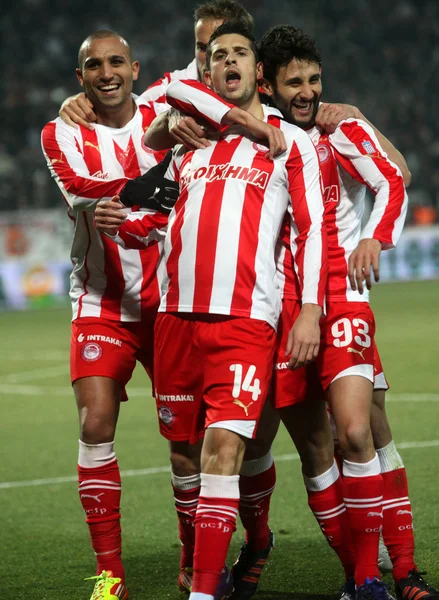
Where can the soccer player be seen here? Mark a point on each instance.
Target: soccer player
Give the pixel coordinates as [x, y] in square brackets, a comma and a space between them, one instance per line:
[220, 285]
[114, 293]
[374, 491]
[207, 17]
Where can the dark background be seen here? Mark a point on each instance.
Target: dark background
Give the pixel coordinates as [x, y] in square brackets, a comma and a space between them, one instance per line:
[382, 56]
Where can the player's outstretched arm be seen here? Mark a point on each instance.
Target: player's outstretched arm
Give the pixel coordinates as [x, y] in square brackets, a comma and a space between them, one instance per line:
[78, 110]
[329, 116]
[199, 101]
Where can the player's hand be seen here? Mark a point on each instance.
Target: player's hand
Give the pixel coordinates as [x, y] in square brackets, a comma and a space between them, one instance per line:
[365, 256]
[304, 338]
[78, 110]
[273, 137]
[329, 116]
[185, 130]
[109, 216]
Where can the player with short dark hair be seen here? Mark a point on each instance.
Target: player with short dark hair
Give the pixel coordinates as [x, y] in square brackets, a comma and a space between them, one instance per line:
[350, 157]
[230, 208]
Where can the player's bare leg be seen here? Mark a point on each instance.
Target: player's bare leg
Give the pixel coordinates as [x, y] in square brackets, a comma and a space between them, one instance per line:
[308, 425]
[98, 400]
[350, 400]
[257, 482]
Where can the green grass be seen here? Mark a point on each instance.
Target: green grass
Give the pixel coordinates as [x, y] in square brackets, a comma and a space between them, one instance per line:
[44, 542]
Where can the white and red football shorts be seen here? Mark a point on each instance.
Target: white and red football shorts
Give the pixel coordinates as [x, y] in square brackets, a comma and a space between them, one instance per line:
[347, 348]
[211, 371]
[104, 348]
[347, 343]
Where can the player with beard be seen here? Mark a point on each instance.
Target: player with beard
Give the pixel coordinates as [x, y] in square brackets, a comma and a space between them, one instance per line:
[230, 178]
[351, 157]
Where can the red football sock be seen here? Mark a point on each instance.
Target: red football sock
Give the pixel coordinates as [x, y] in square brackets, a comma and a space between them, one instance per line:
[398, 523]
[215, 523]
[186, 492]
[325, 499]
[100, 491]
[256, 485]
[363, 498]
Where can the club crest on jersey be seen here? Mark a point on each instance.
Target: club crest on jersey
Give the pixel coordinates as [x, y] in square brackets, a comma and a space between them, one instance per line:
[91, 352]
[165, 415]
[260, 148]
[323, 152]
[211, 173]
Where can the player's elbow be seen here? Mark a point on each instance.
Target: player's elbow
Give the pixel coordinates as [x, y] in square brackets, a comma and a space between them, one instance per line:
[407, 176]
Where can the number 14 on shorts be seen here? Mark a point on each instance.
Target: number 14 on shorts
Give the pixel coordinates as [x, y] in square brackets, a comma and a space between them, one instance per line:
[249, 383]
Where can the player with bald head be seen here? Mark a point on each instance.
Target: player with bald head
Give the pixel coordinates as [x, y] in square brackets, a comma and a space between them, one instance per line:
[114, 294]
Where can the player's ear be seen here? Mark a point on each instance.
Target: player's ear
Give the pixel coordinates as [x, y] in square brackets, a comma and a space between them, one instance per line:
[266, 87]
[207, 78]
[259, 71]
[135, 67]
[79, 77]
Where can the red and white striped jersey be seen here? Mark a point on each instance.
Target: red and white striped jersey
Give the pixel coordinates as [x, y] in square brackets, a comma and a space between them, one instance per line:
[156, 92]
[350, 159]
[107, 281]
[220, 246]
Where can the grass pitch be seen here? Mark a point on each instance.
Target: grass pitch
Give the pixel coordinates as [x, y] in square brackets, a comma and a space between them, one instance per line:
[45, 552]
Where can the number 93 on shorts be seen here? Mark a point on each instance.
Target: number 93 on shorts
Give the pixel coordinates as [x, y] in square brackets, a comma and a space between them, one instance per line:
[347, 348]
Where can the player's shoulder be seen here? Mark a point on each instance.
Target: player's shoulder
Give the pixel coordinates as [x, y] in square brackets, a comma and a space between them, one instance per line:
[296, 136]
[190, 72]
[150, 107]
[57, 128]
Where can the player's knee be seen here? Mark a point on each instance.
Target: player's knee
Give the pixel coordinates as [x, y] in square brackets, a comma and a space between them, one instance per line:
[355, 438]
[223, 452]
[183, 466]
[97, 429]
[317, 456]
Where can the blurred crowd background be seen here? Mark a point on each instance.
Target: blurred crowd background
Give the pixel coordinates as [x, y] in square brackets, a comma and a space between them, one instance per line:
[380, 55]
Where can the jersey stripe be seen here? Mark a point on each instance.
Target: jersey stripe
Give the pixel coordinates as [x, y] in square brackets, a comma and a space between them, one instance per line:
[208, 225]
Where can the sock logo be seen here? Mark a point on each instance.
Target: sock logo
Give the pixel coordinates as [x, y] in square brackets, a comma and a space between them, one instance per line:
[404, 512]
[215, 526]
[375, 514]
[93, 497]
